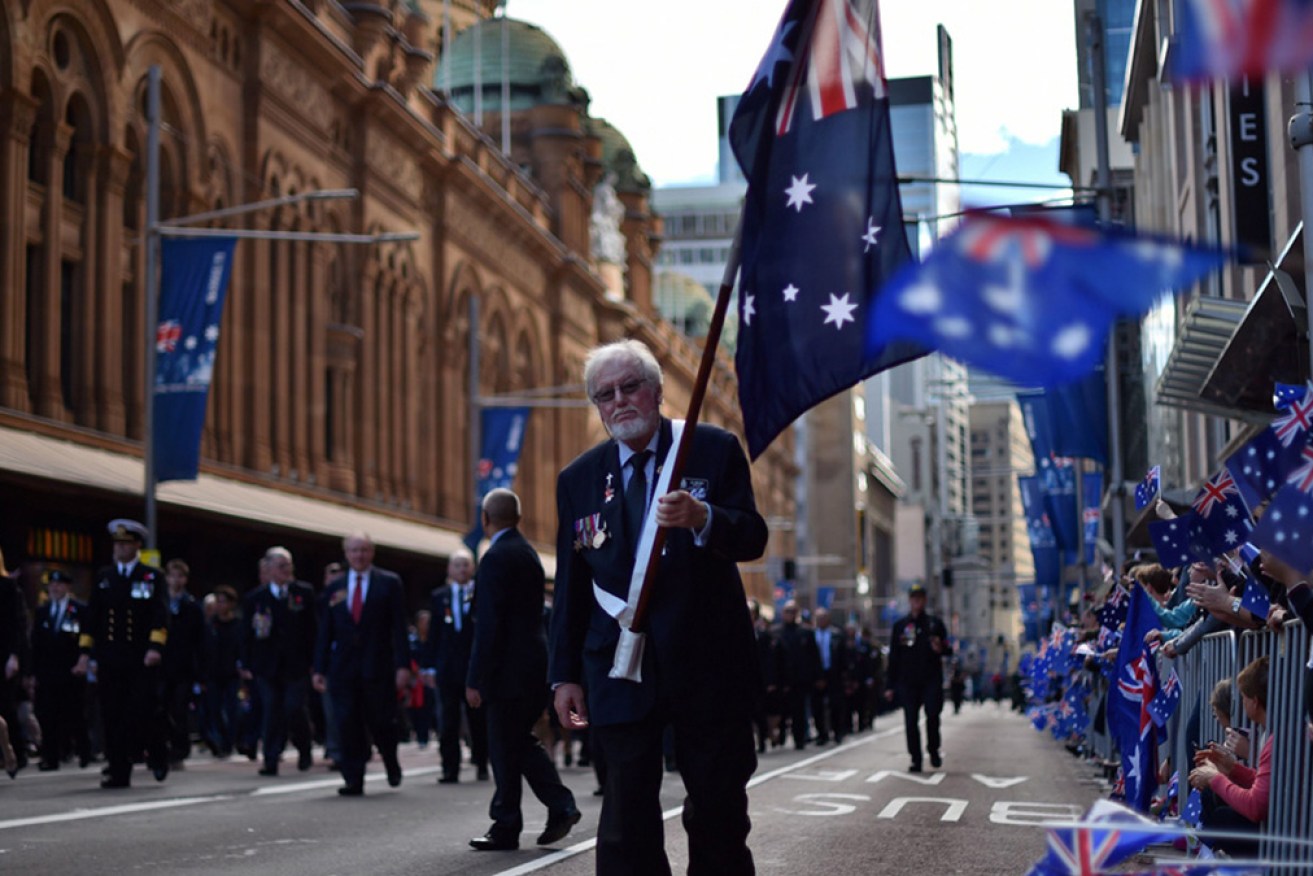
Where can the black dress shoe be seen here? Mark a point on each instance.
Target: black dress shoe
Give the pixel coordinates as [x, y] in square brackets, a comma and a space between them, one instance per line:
[483, 774]
[267, 771]
[935, 759]
[352, 791]
[448, 780]
[44, 767]
[305, 760]
[394, 775]
[160, 771]
[558, 826]
[114, 783]
[915, 767]
[493, 842]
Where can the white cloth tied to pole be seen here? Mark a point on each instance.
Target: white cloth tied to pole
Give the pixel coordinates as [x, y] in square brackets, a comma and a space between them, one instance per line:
[628, 662]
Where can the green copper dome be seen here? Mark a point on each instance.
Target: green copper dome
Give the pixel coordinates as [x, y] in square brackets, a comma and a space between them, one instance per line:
[536, 68]
[618, 157]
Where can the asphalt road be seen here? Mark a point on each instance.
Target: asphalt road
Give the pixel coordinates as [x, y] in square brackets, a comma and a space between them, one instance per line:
[844, 809]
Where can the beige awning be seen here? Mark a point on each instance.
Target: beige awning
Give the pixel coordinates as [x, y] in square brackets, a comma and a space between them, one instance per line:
[41, 456]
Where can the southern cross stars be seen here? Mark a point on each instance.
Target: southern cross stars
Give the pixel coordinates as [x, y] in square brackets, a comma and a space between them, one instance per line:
[748, 309]
[839, 310]
[776, 54]
[871, 237]
[799, 192]
[791, 292]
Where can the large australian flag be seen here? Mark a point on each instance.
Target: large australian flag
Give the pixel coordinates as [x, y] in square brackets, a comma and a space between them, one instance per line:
[822, 222]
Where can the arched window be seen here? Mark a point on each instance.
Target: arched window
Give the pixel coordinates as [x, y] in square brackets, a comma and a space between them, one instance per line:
[78, 156]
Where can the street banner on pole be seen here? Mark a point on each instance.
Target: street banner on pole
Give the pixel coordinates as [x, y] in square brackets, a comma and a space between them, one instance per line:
[193, 282]
[503, 436]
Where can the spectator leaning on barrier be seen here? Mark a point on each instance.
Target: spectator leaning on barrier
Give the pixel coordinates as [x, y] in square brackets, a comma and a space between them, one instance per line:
[1300, 599]
[1236, 797]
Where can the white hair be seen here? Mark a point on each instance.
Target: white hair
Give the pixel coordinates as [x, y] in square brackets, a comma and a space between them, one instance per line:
[630, 350]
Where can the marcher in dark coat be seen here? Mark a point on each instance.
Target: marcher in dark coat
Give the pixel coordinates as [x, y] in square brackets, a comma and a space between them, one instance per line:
[801, 665]
[916, 675]
[447, 664]
[183, 654]
[60, 694]
[222, 680]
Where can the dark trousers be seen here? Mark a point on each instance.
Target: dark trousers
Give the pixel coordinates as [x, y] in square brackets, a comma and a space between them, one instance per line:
[453, 706]
[177, 706]
[829, 711]
[716, 758]
[9, 713]
[795, 714]
[514, 754]
[133, 715]
[914, 698]
[364, 708]
[223, 713]
[61, 712]
[1218, 816]
[285, 713]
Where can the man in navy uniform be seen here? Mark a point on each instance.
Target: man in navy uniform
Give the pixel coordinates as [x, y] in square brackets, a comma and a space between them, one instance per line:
[277, 650]
[60, 695]
[447, 662]
[508, 679]
[125, 632]
[182, 659]
[916, 675]
[699, 666]
[363, 658]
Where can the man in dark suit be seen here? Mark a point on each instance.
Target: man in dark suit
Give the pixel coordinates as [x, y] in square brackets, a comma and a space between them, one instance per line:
[182, 659]
[508, 678]
[60, 695]
[801, 666]
[829, 696]
[699, 663]
[916, 675]
[447, 663]
[126, 629]
[14, 656]
[362, 656]
[277, 649]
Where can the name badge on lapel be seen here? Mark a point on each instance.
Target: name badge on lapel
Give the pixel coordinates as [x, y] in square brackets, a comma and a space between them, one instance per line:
[695, 487]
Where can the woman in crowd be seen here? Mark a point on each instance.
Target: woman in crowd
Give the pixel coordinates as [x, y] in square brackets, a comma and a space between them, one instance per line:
[1236, 797]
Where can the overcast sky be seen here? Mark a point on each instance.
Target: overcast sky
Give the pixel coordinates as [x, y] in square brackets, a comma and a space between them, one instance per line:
[654, 70]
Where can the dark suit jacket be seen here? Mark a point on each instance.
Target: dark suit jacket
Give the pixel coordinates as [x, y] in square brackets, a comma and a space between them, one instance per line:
[278, 635]
[185, 650]
[838, 657]
[509, 659]
[376, 648]
[447, 651]
[801, 662]
[126, 616]
[55, 649]
[912, 662]
[13, 621]
[700, 655]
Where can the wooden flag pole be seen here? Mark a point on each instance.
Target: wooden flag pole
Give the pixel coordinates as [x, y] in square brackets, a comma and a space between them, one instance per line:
[691, 418]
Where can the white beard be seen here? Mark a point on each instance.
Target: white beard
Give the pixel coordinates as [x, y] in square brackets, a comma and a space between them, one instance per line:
[635, 428]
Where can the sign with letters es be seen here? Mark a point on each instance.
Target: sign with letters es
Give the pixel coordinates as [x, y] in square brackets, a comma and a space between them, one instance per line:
[1247, 116]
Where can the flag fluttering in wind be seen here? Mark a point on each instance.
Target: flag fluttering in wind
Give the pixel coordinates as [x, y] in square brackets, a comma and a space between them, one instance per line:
[1030, 299]
[822, 221]
[1228, 39]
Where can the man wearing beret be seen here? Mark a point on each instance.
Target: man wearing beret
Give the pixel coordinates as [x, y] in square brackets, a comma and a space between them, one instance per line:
[125, 633]
[916, 674]
[60, 695]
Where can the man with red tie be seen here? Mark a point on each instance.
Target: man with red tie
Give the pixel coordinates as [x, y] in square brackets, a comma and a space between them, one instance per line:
[363, 657]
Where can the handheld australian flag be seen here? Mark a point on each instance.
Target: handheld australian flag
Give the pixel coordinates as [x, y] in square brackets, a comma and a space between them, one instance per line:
[1030, 299]
[822, 221]
[1228, 39]
[1221, 517]
[1147, 489]
[1171, 540]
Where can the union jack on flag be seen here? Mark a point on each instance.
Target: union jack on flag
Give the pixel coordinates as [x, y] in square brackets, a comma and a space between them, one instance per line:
[1302, 477]
[1214, 492]
[1108, 835]
[1139, 686]
[1228, 39]
[1295, 422]
[839, 53]
[167, 336]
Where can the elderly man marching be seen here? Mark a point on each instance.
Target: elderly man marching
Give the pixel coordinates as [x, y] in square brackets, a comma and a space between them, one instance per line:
[125, 632]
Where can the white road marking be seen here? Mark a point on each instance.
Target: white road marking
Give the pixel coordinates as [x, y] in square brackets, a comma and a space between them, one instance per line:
[998, 782]
[952, 812]
[933, 779]
[330, 783]
[823, 776]
[126, 809]
[830, 804]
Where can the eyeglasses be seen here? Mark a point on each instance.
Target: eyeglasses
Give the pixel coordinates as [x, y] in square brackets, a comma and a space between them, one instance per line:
[606, 394]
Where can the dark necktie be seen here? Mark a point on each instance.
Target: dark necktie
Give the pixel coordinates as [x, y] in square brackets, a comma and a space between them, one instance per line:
[358, 599]
[636, 497]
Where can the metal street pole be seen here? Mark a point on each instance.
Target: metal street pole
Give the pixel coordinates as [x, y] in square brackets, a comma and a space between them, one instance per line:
[476, 403]
[1094, 31]
[1301, 140]
[505, 83]
[152, 291]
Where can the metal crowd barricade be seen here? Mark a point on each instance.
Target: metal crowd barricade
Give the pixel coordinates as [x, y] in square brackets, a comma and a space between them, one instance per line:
[1101, 745]
[1290, 811]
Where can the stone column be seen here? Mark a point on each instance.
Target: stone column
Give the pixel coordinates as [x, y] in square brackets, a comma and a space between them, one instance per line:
[107, 289]
[17, 114]
[49, 395]
[364, 423]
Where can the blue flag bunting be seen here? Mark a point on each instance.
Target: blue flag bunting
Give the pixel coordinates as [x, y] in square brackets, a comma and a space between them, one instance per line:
[822, 221]
[1147, 490]
[193, 282]
[1092, 497]
[1030, 299]
[1043, 545]
[502, 432]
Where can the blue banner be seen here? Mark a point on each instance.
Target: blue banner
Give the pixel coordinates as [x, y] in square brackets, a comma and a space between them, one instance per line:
[1048, 567]
[193, 281]
[503, 435]
[1091, 494]
[824, 597]
[1078, 417]
[1056, 474]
